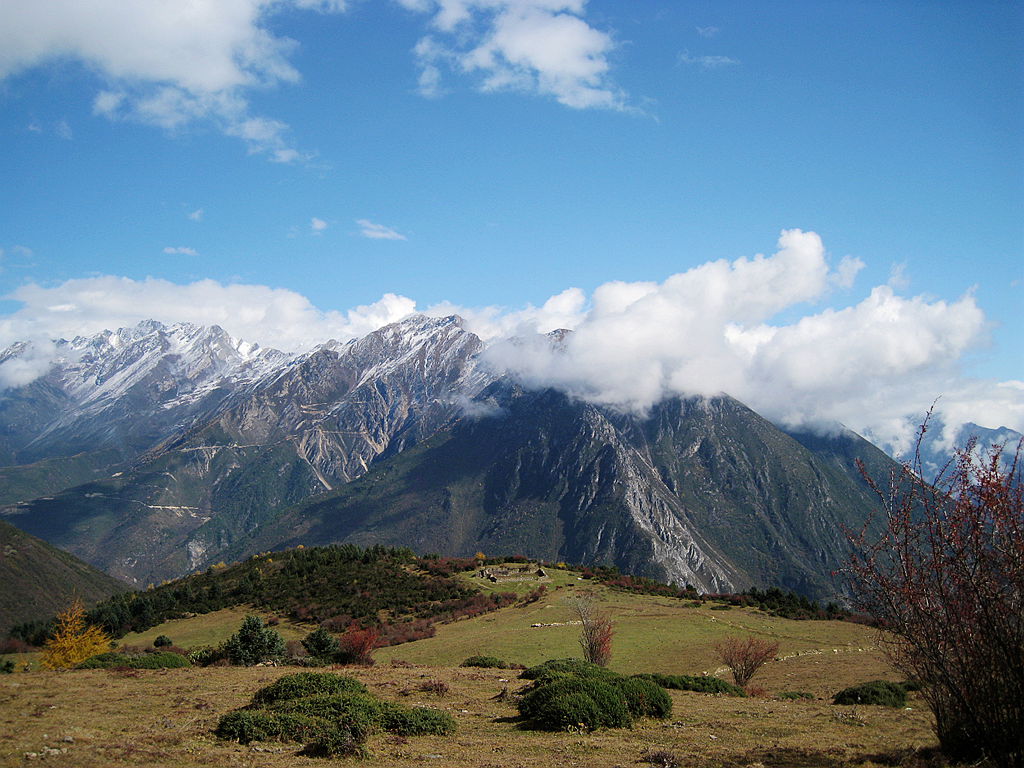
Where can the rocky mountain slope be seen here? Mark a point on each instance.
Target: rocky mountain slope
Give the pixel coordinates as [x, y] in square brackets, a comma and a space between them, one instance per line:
[215, 449]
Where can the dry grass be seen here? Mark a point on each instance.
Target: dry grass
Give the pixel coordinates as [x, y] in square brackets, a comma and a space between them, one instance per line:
[165, 718]
[100, 718]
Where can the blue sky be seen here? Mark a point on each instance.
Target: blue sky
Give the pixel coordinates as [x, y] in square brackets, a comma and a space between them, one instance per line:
[503, 151]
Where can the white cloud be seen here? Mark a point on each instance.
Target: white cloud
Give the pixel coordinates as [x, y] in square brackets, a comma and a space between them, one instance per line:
[274, 317]
[708, 32]
[847, 271]
[539, 46]
[196, 215]
[707, 62]
[875, 365]
[166, 64]
[378, 231]
[317, 226]
[182, 250]
[63, 130]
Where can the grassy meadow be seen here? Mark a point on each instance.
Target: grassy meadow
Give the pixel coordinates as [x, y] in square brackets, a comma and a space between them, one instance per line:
[166, 717]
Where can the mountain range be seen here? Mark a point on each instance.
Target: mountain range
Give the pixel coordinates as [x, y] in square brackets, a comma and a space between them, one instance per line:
[157, 450]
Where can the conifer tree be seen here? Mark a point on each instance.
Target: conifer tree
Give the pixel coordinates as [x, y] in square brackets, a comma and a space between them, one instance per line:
[73, 641]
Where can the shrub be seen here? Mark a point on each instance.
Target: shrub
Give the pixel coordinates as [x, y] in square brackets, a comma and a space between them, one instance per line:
[245, 726]
[561, 667]
[159, 660]
[6, 667]
[491, 662]
[356, 646]
[320, 644]
[359, 713]
[880, 692]
[161, 641]
[698, 683]
[660, 758]
[302, 684]
[334, 715]
[596, 634]
[205, 656]
[576, 701]
[417, 721]
[254, 643]
[644, 698]
[745, 656]
[796, 695]
[945, 579]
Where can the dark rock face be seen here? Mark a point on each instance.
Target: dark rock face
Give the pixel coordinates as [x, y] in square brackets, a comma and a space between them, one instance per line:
[404, 437]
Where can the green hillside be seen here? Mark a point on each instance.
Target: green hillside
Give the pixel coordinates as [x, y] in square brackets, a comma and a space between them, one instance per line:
[40, 580]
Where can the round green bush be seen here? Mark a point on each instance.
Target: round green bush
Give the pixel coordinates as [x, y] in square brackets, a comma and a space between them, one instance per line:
[160, 660]
[301, 684]
[576, 701]
[698, 683]
[417, 721]
[245, 726]
[360, 713]
[644, 698]
[880, 692]
[161, 641]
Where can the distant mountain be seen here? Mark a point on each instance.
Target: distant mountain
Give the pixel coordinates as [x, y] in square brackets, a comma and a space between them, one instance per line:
[405, 437]
[700, 491]
[39, 580]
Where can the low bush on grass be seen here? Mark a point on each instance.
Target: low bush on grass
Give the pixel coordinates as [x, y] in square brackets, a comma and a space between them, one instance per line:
[880, 692]
[571, 693]
[698, 683]
[6, 667]
[417, 721]
[301, 684]
[796, 695]
[489, 662]
[332, 714]
[556, 668]
[644, 698]
[161, 641]
[159, 660]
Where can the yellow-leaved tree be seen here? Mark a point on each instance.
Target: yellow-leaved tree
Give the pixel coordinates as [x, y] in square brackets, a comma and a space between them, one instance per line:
[73, 641]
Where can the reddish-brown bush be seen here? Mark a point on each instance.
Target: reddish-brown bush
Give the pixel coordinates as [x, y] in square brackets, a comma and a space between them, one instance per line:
[357, 645]
[744, 656]
[946, 581]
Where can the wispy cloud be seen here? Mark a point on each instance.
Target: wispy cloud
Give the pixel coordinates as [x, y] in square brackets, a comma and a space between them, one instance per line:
[182, 250]
[196, 215]
[378, 231]
[708, 32]
[707, 62]
[317, 226]
[63, 130]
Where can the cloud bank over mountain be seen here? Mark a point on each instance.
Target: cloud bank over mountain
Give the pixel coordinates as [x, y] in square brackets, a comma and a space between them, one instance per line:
[759, 329]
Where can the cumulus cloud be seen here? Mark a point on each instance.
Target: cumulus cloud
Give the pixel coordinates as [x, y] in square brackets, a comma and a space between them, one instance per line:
[317, 226]
[274, 317]
[378, 231]
[875, 365]
[182, 250]
[165, 64]
[537, 46]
